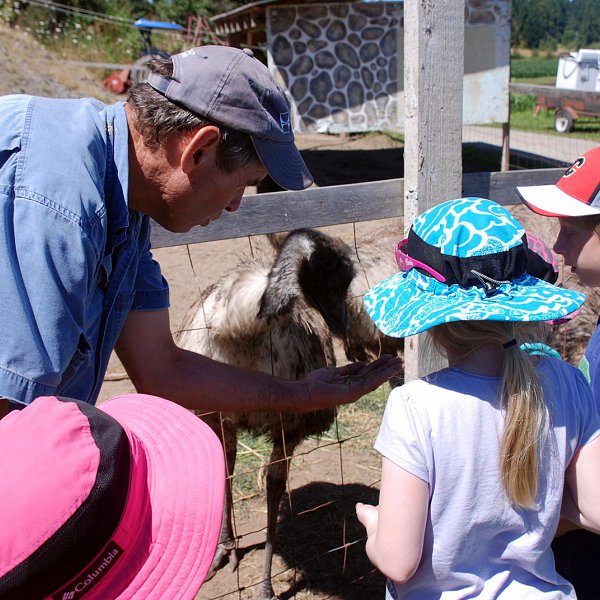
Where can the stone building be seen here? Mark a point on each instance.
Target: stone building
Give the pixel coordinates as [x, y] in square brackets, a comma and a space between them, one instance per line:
[342, 62]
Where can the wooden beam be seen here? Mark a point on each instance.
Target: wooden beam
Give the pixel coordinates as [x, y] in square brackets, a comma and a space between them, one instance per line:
[334, 205]
[434, 35]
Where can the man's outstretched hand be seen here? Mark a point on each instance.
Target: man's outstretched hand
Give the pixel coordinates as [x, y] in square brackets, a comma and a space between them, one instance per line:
[342, 385]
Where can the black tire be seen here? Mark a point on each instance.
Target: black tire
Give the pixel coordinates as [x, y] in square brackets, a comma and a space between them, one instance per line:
[563, 121]
[139, 72]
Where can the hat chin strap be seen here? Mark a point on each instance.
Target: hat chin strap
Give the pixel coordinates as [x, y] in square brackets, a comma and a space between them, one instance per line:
[490, 286]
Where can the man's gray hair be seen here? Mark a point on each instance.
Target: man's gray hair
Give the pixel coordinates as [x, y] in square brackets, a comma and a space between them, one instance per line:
[158, 118]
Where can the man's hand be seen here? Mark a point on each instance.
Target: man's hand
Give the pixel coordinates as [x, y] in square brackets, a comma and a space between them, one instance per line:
[343, 385]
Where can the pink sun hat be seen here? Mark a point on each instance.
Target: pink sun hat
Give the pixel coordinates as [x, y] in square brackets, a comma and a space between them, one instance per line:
[575, 194]
[120, 501]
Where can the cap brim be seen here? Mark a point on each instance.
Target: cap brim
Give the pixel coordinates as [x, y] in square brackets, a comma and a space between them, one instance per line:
[284, 164]
[409, 303]
[550, 201]
[186, 482]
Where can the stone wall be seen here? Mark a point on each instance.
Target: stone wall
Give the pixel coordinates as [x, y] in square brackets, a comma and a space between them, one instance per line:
[342, 63]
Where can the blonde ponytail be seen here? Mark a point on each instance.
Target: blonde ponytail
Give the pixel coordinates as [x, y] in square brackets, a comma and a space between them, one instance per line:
[526, 413]
[526, 422]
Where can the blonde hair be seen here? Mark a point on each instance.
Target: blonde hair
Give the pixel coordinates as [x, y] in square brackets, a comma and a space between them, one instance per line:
[526, 413]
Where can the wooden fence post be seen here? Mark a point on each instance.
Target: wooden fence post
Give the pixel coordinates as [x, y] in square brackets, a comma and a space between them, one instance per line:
[434, 33]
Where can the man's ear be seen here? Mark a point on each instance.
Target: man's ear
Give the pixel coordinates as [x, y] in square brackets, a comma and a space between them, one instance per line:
[201, 144]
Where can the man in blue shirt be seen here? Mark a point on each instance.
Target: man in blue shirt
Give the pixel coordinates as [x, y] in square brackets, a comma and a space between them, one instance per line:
[79, 183]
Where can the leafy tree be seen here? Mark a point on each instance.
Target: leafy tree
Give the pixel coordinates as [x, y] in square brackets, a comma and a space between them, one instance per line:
[584, 22]
[539, 23]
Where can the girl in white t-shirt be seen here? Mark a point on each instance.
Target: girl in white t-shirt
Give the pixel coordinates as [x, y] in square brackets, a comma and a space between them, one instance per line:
[476, 456]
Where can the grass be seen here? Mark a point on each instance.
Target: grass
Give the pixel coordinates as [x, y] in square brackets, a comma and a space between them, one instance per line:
[533, 68]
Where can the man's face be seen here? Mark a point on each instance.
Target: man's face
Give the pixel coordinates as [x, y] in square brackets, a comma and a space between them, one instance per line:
[580, 247]
[202, 197]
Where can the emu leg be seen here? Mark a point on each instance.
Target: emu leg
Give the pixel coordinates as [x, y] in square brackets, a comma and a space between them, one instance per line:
[226, 431]
[277, 473]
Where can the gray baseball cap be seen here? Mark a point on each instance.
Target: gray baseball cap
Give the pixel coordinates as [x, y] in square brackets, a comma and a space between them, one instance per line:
[231, 87]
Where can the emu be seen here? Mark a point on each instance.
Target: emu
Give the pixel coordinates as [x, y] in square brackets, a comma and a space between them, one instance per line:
[278, 316]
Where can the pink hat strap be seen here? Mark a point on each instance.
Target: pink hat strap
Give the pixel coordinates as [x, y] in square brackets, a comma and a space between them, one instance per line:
[82, 537]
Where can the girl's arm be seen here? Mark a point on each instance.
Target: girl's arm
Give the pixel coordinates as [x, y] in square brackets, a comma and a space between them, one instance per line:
[582, 505]
[396, 528]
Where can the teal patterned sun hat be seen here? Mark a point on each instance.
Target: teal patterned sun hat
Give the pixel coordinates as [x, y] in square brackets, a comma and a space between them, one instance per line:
[464, 260]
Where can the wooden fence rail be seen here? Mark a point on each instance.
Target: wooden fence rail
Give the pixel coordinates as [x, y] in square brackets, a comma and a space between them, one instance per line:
[318, 207]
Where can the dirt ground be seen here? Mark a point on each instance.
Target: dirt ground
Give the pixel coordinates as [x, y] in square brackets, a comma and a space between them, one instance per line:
[320, 553]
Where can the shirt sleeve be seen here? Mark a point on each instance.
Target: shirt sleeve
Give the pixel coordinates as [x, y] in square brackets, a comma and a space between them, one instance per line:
[402, 435]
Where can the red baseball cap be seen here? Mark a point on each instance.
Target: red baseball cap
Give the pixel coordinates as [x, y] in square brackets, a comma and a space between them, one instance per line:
[121, 501]
[575, 194]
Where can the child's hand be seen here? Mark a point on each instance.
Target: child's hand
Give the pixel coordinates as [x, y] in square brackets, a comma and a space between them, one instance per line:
[367, 515]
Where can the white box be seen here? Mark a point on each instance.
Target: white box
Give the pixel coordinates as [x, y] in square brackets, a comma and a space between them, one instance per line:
[579, 71]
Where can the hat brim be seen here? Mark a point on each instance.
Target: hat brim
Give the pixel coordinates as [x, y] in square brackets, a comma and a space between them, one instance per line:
[409, 302]
[186, 483]
[283, 162]
[550, 201]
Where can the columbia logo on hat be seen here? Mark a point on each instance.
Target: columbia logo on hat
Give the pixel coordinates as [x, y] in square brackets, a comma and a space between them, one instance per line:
[575, 194]
[92, 576]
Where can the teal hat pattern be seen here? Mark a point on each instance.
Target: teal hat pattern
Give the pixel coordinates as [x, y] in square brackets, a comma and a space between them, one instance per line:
[458, 234]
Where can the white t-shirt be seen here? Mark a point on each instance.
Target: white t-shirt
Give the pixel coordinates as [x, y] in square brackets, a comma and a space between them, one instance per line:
[446, 430]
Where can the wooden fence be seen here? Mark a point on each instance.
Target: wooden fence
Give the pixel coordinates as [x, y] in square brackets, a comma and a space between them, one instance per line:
[318, 207]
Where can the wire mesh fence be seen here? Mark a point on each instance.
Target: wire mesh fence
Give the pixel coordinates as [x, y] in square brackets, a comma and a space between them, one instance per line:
[529, 149]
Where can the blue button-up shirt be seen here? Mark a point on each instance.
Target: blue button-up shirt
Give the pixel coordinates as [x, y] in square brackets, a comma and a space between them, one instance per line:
[74, 260]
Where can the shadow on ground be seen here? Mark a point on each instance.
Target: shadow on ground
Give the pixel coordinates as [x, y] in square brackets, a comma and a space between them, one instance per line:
[320, 536]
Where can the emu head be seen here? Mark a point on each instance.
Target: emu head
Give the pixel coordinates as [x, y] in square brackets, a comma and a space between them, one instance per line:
[313, 268]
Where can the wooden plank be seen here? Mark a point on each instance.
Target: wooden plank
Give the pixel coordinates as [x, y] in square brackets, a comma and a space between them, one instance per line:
[334, 205]
[500, 186]
[283, 211]
[434, 36]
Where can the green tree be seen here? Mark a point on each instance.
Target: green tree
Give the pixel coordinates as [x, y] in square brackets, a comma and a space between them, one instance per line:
[539, 23]
[584, 23]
